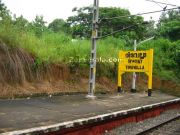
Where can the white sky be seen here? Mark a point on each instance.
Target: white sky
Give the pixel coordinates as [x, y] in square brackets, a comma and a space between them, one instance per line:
[52, 9]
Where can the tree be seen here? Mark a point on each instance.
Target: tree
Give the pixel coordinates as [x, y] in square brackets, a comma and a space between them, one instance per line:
[3, 11]
[108, 26]
[150, 29]
[21, 23]
[81, 23]
[5, 17]
[39, 25]
[57, 25]
[169, 25]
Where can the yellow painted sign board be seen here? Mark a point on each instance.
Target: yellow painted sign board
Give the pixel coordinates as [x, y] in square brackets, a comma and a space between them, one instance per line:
[136, 61]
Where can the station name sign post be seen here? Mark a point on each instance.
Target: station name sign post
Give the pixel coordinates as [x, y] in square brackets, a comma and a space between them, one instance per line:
[136, 61]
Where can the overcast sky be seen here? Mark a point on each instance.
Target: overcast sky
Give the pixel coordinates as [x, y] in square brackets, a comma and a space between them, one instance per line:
[52, 9]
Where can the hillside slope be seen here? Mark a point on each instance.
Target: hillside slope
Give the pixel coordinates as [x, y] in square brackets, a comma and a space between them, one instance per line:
[20, 76]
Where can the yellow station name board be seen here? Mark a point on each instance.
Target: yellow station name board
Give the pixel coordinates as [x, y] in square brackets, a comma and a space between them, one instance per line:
[136, 61]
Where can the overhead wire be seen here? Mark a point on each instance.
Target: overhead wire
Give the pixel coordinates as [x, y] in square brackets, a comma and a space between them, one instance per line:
[128, 27]
[156, 3]
[167, 4]
[117, 31]
[151, 12]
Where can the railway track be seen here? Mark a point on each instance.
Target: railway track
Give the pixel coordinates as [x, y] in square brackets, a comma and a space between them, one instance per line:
[147, 131]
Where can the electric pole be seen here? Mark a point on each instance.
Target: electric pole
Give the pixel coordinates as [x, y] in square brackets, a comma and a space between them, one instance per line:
[92, 75]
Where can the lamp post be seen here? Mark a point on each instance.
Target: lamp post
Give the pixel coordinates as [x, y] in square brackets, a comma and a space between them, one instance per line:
[133, 89]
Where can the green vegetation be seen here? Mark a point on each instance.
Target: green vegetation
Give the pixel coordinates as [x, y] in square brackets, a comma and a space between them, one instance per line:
[53, 43]
[81, 23]
[166, 58]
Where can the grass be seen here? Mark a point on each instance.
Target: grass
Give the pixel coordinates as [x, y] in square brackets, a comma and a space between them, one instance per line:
[58, 48]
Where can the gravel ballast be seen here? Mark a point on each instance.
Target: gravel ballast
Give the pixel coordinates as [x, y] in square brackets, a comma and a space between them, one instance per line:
[135, 128]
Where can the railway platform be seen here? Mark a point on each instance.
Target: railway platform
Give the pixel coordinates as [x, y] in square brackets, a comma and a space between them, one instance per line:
[39, 114]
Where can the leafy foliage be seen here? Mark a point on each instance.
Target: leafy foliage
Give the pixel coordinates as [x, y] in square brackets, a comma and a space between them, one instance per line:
[39, 26]
[169, 25]
[81, 23]
[4, 13]
[59, 25]
[53, 44]
[166, 57]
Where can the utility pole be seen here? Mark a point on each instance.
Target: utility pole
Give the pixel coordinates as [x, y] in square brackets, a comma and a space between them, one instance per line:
[134, 73]
[92, 75]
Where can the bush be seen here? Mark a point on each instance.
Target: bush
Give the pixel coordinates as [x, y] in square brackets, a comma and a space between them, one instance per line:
[166, 57]
[58, 48]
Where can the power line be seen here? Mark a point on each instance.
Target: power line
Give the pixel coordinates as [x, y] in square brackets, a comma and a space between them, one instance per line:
[131, 16]
[167, 1]
[117, 31]
[117, 17]
[157, 2]
[128, 27]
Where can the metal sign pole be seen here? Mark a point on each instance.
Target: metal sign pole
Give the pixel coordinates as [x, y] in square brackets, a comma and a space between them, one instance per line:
[134, 73]
[133, 89]
[93, 50]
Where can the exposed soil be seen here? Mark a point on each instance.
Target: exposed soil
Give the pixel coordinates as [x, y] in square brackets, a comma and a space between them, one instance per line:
[20, 75]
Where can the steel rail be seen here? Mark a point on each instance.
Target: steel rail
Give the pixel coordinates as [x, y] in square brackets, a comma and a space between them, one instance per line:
[159, 125]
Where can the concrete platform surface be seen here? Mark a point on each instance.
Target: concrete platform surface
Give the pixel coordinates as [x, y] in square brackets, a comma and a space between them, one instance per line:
[28, 113]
